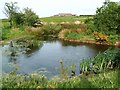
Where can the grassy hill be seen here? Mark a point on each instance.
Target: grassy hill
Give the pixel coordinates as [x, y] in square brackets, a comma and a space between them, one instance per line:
[65, 18]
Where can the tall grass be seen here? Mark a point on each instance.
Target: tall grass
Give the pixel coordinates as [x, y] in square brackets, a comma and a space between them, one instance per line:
[51, 29]
[103, 80]
[110, 59]
[77, 35]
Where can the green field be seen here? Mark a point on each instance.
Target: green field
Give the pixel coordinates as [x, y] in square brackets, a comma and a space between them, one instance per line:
[60, 19]
[65, 18]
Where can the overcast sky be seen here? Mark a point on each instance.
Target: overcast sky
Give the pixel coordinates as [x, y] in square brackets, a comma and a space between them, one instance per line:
[45, 8]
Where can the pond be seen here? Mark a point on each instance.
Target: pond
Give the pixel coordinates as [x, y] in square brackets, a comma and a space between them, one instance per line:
[45, 59]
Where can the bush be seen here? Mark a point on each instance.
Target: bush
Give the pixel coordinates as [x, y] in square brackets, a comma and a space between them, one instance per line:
[90, 26]
[18, 19]
[51, 29]
[34, 31]
[99, 37]
[30, 18]
[107, 18]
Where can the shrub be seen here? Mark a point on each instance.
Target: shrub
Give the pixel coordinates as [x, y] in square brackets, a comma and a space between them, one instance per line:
[34, 31]
[30, 18]
[107, 18]
[99, 37]
[51, 29]
[90, 26]
[18, 19]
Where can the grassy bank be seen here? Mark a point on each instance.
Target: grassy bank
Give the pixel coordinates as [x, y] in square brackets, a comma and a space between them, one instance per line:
[81, 35]
[13, 33]
[77, 35]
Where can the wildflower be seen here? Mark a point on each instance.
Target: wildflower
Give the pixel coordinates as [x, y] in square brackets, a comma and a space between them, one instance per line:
[61, 61]
[38, 88]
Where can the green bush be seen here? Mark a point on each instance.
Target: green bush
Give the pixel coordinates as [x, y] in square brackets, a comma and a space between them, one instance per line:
[114, 37]
[90, 26]
[18, 19]
[30, 18]
[107, 18]
[51, 29]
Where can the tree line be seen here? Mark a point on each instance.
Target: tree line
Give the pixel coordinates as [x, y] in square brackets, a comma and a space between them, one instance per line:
[17, 17]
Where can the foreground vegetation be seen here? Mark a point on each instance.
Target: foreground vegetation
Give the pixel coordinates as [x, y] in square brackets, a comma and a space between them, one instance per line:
[103, 80]
[104, 74]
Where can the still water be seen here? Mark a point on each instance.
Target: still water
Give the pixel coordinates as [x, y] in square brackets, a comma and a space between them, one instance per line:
[45, 59]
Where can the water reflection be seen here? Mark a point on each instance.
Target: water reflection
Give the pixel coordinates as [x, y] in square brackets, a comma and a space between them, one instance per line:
[47, 54]
[13, 58]
[93, 46]
[12, 54]
[14, 50]
[28, 53]
[48, 38]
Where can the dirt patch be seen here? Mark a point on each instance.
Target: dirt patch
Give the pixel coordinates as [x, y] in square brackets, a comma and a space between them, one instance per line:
[117, 44]
[1, 42]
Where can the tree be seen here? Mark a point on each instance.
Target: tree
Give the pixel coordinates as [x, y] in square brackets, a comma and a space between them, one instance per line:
[9, 10]
[30, 17]
[18, 19]
[119, 18]
[107, 18]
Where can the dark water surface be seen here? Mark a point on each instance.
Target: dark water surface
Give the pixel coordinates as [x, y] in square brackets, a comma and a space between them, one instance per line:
[45, 59]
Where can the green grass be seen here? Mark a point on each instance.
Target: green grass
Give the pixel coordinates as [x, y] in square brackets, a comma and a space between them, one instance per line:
[11, 33]
[5, 23]
[72, 26]
[103, 80]
[64, 19]
[78, 35]
[7, 33]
